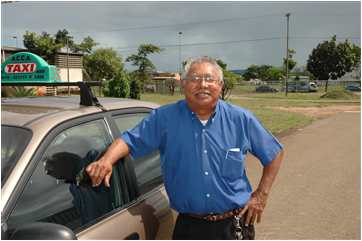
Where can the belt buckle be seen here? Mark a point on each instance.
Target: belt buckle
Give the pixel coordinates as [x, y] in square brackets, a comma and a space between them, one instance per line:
[211, 217]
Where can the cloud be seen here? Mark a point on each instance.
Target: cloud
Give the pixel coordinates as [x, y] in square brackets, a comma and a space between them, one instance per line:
[126, 25]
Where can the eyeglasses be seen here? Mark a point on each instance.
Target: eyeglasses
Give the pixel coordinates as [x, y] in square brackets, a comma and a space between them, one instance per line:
[198, 79]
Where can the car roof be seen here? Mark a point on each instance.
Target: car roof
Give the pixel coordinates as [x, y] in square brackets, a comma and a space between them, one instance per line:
[22, 111]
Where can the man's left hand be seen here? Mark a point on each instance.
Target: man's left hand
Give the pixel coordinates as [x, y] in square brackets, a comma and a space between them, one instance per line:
[254, 208]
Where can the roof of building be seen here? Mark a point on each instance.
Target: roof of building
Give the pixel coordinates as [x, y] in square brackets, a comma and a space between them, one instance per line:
[13, 49]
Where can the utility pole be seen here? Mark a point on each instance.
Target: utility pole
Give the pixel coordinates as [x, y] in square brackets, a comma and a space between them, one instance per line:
[179, 52]
[287, 58]
[68, 66]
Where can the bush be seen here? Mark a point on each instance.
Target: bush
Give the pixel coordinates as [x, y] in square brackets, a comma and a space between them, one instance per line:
[118, 86]
[339, 95]
[135, 89]
[19, 92]
[230, 79]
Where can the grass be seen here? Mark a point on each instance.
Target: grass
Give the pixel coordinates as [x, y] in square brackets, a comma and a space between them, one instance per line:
[339, 95]
[281, 121]
[261, 104]
[161, 99]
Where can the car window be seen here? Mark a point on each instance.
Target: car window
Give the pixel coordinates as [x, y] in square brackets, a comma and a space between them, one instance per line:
[13, 142]
[148, 168]
[127, 121]
[53, 194]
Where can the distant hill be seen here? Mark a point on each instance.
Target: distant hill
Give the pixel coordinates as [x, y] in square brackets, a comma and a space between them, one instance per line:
[238, 71]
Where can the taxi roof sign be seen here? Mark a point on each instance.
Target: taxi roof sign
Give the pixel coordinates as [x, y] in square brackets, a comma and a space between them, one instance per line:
[25, 67]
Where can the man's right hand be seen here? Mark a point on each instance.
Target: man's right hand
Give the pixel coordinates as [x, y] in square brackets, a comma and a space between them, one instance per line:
[98, 171]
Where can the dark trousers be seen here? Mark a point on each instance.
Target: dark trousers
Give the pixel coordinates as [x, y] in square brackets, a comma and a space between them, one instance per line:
[188, 227]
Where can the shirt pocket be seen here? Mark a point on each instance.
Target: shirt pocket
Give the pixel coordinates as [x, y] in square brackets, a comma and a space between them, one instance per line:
[232, 166]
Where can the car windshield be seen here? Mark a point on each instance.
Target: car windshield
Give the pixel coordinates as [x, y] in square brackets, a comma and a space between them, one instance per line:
[13, 143]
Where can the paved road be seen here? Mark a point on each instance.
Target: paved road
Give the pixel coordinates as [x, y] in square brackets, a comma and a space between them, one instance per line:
[317, 193]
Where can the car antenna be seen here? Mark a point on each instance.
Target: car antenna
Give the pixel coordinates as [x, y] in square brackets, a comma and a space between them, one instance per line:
[86, 96]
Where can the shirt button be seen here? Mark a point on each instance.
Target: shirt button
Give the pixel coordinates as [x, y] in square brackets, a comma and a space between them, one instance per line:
[203, 130]
[205, 151]
[206, 173]
[207, 195]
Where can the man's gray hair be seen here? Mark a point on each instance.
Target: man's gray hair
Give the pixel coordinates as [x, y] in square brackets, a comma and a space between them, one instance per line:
[200, 60]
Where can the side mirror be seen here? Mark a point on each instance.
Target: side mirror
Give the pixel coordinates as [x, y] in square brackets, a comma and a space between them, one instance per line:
[41, 230]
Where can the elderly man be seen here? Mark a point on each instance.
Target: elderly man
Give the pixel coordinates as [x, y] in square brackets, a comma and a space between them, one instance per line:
[203, 142]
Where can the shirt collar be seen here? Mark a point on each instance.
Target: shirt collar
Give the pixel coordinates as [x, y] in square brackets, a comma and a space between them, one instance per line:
[193, 115]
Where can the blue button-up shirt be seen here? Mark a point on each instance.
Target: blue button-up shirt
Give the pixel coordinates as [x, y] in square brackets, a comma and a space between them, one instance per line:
[203, 166]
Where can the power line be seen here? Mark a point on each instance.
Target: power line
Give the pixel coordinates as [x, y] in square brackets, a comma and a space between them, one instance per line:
[207, 43]
[210, 21]
[183, 24]
[180, 24]
[204, 22]
[125, 48]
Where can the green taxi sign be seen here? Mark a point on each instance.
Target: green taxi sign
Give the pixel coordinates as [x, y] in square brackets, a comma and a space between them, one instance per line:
[25, 67]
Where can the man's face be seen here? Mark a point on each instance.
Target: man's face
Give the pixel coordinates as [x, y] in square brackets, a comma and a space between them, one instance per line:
[202, 87]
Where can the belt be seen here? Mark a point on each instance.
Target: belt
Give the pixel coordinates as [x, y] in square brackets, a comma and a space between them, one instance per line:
[217, 217]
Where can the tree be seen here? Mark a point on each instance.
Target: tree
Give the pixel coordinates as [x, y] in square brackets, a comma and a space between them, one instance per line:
[135, 89]
[63, 37]
[118, 86]
[85, 46]
[263, 72]
[103, 63]
[330, 60]
[350, 56]
[47, 46]
[230, 79]
[145, 65]
[251, 72]
[274, 73]
[43, 45]
[221, 64]
[291, 62]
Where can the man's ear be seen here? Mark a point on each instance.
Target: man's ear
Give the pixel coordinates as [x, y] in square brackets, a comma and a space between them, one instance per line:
[222, 84]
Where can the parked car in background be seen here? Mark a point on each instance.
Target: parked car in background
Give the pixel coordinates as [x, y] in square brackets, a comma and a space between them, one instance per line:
[265, 88]
[353, 88]
[301, 86]
[46, 143]
[256, 82]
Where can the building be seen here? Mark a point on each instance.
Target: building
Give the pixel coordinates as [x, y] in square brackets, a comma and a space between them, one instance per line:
[163, 82]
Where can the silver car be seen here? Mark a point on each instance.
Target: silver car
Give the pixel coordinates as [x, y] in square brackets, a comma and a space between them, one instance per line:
[46, 142]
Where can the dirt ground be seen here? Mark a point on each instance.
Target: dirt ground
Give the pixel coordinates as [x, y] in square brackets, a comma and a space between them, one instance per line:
[317, 194]
[320, 112]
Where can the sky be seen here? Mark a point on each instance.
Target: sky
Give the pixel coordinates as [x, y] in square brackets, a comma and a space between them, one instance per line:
[239, 33]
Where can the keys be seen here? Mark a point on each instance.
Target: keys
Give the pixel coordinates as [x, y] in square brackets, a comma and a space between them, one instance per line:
[237, 228]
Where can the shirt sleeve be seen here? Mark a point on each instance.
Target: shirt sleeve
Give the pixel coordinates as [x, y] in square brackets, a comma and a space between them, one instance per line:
[262, 143]
[144, 137]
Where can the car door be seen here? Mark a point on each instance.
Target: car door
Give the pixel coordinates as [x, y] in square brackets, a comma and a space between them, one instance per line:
[146, 178]
[50, 190]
